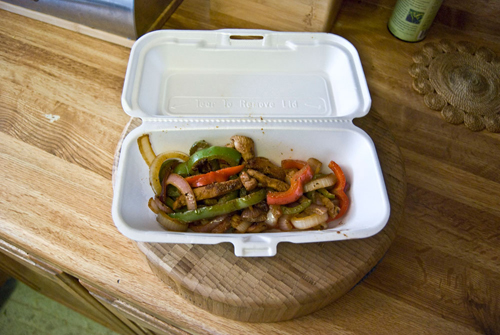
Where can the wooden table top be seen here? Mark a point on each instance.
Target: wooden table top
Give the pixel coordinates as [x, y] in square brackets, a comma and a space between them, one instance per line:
[61, 119]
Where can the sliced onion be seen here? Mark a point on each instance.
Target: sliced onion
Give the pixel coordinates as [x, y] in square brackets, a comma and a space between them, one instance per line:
[273, 215]
[154, 168]
[182, 185]
[333, 210]
[170, 223]
[316, 209]
[222, 227]
[153, 206]
[146, 149]
[315, 165]
[309, 221]
[210, 225]
[257, 227]
[284, 223]
[322, 182]
[161, 206]
[243, 226]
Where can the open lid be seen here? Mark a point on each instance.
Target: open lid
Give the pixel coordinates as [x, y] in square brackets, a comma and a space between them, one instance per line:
[244, 73]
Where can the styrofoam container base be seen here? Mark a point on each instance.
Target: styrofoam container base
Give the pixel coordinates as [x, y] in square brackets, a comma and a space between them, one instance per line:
[294, 94]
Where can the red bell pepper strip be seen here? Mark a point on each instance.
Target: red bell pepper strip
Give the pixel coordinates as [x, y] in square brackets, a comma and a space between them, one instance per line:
[339, 188]
[292, 164]
[213, 176]
[296, 189]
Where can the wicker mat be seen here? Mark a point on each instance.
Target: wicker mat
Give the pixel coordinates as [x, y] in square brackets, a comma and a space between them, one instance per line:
[460, 80]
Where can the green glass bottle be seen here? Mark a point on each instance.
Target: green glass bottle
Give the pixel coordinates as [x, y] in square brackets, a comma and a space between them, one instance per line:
[411, 19]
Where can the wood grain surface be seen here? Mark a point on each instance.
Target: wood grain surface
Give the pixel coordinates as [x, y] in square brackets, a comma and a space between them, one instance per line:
[61, 119]
[287, 15]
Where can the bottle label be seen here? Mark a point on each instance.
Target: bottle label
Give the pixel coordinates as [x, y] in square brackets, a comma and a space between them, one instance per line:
[411, 19]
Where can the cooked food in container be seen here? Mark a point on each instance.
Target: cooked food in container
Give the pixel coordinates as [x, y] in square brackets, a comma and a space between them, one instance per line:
[228, 189]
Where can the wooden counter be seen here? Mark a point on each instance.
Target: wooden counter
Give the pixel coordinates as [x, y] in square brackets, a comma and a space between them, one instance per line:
[61, 119]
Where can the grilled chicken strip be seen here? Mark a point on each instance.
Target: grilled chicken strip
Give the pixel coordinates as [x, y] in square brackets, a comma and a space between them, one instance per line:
[264, 165]
[210, 191]
[244, 145]
[248, 182]
[266, 181]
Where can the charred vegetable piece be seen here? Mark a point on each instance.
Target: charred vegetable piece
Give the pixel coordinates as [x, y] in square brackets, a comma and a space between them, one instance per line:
[208, 225]
[169, 223]
[327, 194]
[239, 224]
[229, 155]
[257, 227]
[146, 149]
[198, 145]
[230, 196]
[156, 166]
[214, 176]
[315, 165]
[182, 169]
[338, 190]
[293, 164]
[310, 221]
[333, 210]
[321, 182]
[183, 187]
[304, 203]
[167, 167]
[219, 209]
[296, 189]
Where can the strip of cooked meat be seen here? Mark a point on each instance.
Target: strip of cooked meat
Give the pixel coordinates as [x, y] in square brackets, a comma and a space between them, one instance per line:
[210, 191]
[264, 165]
[244, 145]
[266, 181]
[253, 214]
[248, 182]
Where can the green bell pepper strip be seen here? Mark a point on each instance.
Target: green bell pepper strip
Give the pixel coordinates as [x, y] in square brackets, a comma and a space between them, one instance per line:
[172, 191]
[168, 201]
[230, 196]
[198, 145]
[327, 194]
[220, 209]
[304, 203]
[229, 155]
[182, 169]
[214, 164]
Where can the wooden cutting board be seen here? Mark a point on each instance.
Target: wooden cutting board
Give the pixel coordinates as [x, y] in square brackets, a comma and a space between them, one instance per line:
[301, 278]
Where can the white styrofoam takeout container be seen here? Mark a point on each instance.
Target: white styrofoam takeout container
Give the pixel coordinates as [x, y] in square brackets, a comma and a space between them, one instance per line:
[294, 94]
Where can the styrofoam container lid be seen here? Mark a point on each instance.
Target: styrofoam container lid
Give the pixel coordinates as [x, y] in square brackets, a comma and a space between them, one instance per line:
[294, 94]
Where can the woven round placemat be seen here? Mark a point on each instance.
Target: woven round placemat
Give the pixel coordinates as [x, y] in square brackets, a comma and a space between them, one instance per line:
[460, 80]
